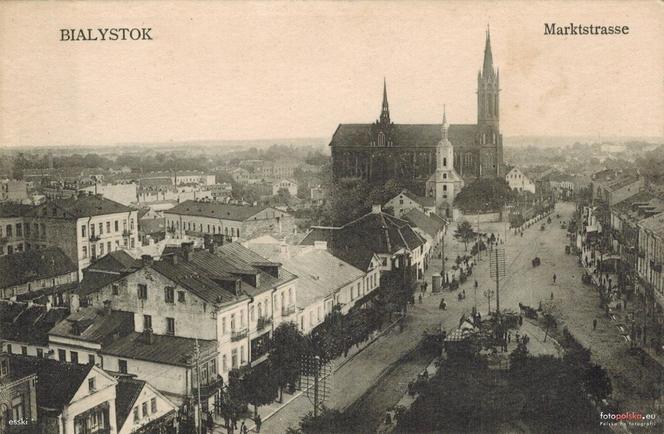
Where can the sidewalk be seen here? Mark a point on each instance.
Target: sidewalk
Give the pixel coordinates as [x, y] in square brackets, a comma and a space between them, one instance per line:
[268, 411]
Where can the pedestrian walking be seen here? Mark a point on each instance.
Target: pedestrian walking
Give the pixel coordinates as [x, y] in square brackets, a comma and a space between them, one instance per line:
[420, 298]
[594, 323]
[509, 337]
[552, 296]
[243, 428]
[554, 278]
[258, 421]
[476, 285]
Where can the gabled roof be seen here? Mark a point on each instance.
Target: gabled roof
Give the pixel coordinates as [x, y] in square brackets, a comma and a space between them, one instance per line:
[126, 393]
[405, 135]
[216, 210]
[431, 225]
[108, 269]
[32, 265]
[425, 202]
[57, 382]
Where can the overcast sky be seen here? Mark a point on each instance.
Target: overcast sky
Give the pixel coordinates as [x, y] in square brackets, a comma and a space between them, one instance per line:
[265, 70]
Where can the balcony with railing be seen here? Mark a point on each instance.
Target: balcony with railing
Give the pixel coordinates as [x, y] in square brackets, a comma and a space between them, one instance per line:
[127, 233]
[236, 335]
[94, 238]
[263, 323]
[211, 387]
[288, 310]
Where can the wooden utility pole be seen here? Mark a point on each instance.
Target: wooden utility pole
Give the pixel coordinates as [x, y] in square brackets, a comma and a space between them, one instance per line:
[497, 284]
[198, 387]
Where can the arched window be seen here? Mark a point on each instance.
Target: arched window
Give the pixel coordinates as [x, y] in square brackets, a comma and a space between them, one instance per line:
[444, 162]
[444, 175]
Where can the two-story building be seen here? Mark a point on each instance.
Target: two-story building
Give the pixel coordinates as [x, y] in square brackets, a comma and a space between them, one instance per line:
[71, 398]
[234, 222]
[34, 273]
[284, 184]
[406, 201]
[518, 181]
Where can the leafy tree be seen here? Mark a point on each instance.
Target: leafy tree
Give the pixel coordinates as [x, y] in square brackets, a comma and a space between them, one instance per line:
[329, 340]
[260, 385]
[597, 382]
[287, 349]
[464, 233]
[483, 195]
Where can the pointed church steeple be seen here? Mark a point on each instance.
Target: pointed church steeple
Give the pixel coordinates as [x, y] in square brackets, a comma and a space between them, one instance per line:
[445, 126]
[487, 69]
[385, 110]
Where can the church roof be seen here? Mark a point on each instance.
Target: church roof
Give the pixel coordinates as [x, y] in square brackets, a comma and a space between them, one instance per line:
[405, 135]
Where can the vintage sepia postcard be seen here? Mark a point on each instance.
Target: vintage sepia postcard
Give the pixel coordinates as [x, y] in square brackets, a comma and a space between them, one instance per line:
[332, 217]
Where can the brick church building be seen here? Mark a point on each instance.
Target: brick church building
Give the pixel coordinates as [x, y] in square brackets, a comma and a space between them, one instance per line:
[385, 150]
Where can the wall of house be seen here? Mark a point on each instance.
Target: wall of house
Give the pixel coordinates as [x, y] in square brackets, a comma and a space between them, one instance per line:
[16, 242]
[401, 204]
[83, 348]
[84, 400]
[226, 345]
[17, 348]
[37, 284]
[23, 391]
[164, 406]
[165, 378]
[268, 221]
[194, 318]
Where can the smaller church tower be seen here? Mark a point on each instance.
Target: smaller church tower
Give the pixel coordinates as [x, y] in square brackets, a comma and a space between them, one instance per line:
[445, 183]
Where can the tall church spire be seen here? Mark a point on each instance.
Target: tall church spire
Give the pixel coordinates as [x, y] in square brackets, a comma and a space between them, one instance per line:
[385, 111]
[445, 125]
[487, 69]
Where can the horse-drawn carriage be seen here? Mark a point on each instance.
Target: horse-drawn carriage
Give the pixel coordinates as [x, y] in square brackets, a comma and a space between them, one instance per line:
[536, 262]
[528, 312]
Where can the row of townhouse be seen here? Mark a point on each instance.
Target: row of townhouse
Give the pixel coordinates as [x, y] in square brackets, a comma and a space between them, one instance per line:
[628, 223]
[196, 218]
[324, 280]
[218, 307]
[84, 227]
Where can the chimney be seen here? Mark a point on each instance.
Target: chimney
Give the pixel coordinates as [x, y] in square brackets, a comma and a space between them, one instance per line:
[283, 249]
[187, 248]
[174, 258]
[147, 260]
[320, 245]
[74, 303]
[376, 209]
[148, 336]
[211, 247]
[107, 307]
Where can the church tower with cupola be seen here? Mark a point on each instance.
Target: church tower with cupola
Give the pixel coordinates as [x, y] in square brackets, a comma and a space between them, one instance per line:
[445, 183]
